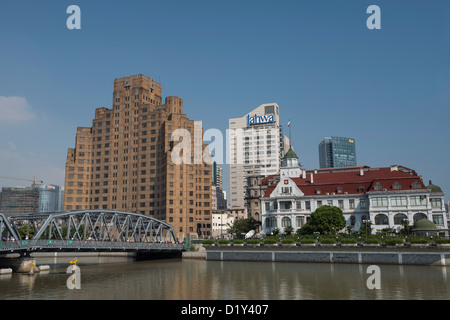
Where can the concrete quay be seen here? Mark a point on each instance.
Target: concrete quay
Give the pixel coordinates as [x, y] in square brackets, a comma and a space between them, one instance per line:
[420, 255]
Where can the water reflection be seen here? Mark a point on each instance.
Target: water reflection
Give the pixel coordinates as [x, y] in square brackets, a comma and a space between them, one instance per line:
[177, 279]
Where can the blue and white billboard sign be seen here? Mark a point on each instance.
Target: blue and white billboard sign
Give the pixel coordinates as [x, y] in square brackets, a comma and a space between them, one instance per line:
[268, 118]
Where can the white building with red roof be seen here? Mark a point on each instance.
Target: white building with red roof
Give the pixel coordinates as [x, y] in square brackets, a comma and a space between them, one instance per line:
[385, 196]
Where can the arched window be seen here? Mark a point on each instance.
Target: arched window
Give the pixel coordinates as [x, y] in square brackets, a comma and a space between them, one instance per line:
[419, 216]
[286, 222]
[378, 187]
[399, 217]
[274, 222]
[381, 219]
[352, 220]
[416, 185]
[271, 222]
[268, 225]
[300, 221]
[396, 186]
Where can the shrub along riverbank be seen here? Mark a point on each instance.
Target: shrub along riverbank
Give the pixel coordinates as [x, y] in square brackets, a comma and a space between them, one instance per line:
[337, 240]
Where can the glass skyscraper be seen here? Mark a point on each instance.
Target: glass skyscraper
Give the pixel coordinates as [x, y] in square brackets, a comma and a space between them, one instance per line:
[337, 152]
[48, 198]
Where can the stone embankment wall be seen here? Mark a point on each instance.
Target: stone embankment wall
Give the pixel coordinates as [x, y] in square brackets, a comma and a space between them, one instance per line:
[358, 255]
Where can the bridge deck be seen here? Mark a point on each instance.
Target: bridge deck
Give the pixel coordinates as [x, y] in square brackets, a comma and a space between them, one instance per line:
[85, 245]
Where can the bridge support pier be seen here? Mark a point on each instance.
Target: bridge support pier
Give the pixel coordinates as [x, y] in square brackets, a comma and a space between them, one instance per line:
[21, 263]
[28, 265]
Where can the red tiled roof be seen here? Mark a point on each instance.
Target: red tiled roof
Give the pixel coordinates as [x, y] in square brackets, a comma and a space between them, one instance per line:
[353, 183]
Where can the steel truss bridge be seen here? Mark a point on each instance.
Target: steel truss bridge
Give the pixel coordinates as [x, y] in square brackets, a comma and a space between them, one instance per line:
[86, 230]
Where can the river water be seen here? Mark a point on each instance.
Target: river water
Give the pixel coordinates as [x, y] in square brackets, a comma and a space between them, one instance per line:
[177, 279]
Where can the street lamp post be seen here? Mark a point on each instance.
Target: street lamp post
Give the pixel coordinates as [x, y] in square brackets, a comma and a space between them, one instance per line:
[366, 222]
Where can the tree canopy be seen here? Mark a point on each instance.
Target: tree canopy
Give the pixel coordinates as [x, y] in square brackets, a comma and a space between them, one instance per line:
[243, 226]
[326, 220]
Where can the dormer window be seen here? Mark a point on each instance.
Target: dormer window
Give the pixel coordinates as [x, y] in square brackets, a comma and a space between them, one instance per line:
[339, 190]
[397, 186]
[361, 189]
[286, 190]
[416, 185]
[378, 187]
[318, 191]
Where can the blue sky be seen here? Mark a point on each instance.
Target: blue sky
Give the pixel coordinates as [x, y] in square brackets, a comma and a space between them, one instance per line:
[389, 89]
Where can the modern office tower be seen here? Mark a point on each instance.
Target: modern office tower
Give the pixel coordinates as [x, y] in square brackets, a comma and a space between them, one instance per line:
[19, 200]
[48, 198]
[124, 161]
[256, 146]
[217, 175]
[218, 196]
[337, 152]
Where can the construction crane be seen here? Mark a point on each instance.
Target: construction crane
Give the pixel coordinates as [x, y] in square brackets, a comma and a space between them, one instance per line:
[34, 180]
[35, 187]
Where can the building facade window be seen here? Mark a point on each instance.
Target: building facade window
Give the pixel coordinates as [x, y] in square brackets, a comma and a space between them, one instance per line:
[398, 201]
[419, 216]
[436, 203]
[299, 220]
[363, 203]
[378, 187]
[308, 205]
[438, 219]
[418, 200]
[416, 185]
[286, 222]
[397, 186]
[351, 203]
[381, 219]
[380, 202]
[399, 218]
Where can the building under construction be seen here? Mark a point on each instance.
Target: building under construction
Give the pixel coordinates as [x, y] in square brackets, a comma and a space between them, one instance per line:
[19, 200]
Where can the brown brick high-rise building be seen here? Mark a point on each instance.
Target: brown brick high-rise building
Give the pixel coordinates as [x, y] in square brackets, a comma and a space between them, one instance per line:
[124, 161]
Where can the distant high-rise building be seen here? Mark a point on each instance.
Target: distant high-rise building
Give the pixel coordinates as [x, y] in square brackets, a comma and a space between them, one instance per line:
[337, 152]
[218, 196]
[61, 200]
[19, 200]
[48, 198]
[124, 161]
[256, 146]
[217, 175]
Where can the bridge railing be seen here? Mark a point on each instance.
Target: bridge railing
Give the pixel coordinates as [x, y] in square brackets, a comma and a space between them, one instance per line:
[11, 245]
[34, 245]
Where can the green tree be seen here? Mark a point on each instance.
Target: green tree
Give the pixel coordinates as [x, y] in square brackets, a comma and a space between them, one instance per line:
[288, 230]
[23, 230]
[275, 232]
[241, 226]
[327, 219]
[407, 228]
[305, 229]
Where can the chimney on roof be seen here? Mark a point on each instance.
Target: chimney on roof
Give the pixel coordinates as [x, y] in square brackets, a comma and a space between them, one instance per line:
[312, 178]
[304, 174]
[361, 171]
